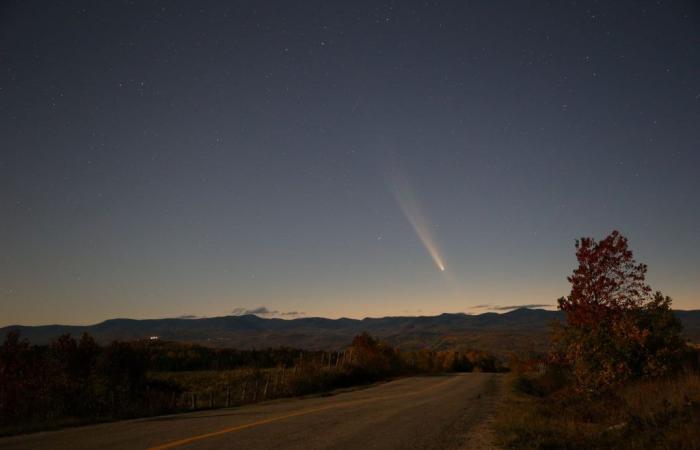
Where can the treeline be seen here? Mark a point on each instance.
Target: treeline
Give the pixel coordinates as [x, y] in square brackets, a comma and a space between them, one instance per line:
[74, 380]
[166, 356]
[71, 379]
[177, 357]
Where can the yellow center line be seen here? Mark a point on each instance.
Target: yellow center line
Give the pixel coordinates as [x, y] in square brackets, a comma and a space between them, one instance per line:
[301, 412]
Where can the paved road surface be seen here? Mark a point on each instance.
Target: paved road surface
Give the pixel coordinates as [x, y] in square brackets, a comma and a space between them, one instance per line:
[439, 412]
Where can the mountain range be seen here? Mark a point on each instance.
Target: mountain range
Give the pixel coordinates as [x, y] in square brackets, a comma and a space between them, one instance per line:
[521, 329]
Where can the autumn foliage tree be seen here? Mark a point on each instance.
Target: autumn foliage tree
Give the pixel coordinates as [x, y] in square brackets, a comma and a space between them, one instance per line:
[373, 358]
[616, 329]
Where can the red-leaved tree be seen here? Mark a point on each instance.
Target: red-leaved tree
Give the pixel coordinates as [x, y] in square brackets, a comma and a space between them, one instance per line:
[616, 329]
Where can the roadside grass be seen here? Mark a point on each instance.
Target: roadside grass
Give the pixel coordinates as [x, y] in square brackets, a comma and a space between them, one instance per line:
[541, 413]
[222, 388]
[46, 425]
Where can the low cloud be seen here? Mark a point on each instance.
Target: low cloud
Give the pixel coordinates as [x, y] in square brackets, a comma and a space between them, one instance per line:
[259, 311]
[187, 316]
[509, 307]
[263, 311]
[531, 306]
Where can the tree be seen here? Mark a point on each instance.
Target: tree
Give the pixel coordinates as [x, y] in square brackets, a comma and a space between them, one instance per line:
[373, 358]
[22, 381]
[616, 329]
[607, 281]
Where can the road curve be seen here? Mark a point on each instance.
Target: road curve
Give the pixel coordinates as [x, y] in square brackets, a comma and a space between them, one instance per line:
[432, 412]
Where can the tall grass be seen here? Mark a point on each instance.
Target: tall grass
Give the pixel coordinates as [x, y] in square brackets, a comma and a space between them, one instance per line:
[225, 388]
[543, 414]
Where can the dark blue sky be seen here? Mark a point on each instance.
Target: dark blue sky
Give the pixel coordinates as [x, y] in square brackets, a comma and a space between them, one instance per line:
[168, 158]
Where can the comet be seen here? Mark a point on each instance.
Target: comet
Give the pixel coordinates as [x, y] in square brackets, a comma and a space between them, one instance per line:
[414, 214]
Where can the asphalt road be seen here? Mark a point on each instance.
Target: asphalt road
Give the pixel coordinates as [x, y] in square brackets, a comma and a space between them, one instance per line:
[435, 412]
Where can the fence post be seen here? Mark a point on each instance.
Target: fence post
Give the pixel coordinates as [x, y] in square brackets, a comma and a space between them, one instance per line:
[228, 396]
[194, 400]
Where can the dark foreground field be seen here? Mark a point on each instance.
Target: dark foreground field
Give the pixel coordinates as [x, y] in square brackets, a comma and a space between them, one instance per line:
[539, 413]
[427, 412]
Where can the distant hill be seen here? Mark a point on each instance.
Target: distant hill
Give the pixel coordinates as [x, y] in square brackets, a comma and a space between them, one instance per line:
[520, 330]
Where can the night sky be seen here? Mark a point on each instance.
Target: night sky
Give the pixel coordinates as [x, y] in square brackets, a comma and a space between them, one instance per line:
[162, 159]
